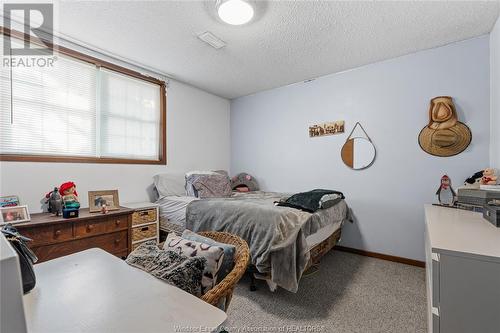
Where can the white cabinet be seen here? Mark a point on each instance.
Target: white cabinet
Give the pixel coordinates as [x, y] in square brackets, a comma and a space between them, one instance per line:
[462, 272]
[11, 290]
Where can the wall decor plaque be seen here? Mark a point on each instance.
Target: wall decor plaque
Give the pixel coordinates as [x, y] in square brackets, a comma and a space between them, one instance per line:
[330, 128]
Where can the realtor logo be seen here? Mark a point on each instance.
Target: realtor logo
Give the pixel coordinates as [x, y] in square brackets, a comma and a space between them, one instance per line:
[33, 28]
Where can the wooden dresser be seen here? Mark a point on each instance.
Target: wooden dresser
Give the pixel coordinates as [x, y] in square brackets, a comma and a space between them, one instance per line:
[55, 237]
[463, 271]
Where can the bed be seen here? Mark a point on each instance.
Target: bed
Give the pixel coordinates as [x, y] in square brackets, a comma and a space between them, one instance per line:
[283, 241]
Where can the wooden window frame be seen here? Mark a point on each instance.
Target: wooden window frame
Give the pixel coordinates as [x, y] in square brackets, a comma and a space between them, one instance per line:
[162, 153]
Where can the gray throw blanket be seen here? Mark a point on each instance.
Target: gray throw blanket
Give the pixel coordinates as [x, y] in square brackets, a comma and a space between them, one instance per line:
[276, 235]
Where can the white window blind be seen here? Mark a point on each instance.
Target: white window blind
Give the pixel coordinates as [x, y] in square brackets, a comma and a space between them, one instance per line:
[78, 109]
[130, 117]
[53, 109]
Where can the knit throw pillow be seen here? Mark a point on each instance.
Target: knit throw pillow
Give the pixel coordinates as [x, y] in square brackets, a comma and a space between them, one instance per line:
[212, 186]
[214, 256]
[173, 268]
[229, 251]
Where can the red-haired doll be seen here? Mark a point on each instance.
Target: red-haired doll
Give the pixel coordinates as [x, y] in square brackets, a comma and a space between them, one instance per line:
[69, 195]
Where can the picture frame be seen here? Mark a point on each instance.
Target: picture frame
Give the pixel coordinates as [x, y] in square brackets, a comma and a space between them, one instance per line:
[98, 198]
[9, 201]
[14, 214]
[328, 128]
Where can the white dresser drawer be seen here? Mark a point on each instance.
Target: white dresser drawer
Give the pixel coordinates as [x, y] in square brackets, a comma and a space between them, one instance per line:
[435, 279]
[435, 320]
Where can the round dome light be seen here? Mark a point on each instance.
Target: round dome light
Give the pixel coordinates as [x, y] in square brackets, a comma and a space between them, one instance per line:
[235, 12]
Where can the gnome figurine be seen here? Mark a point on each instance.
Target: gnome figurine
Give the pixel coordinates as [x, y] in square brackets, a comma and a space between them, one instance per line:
[55, 202]
[446, 194]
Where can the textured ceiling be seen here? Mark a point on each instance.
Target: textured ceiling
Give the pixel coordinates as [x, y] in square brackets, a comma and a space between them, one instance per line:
[287, 42]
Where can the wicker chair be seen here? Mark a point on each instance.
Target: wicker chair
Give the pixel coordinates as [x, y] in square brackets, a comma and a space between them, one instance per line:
[225, 288]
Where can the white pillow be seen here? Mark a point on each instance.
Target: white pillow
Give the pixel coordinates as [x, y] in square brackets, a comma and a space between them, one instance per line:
[170, 184]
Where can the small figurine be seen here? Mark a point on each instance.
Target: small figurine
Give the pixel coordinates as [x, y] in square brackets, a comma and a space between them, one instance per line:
[104, 209]
[69, 195]
[446, 194]
[489, 177]
[474, 181]
[55, 202]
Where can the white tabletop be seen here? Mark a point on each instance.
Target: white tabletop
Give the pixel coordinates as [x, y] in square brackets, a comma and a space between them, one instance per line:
[94, 291]
[456, 230]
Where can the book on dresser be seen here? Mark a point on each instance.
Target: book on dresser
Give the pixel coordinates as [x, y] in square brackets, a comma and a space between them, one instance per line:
[54, 236]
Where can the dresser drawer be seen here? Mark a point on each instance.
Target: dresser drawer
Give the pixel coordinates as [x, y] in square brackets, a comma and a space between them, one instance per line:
[146, 231]
[48, 234]
[136, 245]
[97, 227]
[435, 321]
[90, 228]
[435, 279]
[116, 223]
[144, 216]
[115, 243]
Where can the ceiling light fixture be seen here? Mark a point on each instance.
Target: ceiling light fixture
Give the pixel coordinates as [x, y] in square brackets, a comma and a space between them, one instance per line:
[234, 12]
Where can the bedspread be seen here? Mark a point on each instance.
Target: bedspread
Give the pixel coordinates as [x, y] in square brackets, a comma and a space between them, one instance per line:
[275, 235]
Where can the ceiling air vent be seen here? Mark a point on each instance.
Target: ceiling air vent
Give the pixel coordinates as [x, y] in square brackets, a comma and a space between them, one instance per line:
[212, 40]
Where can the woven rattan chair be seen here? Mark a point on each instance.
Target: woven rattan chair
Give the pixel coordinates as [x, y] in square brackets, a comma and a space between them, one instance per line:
[224, 289]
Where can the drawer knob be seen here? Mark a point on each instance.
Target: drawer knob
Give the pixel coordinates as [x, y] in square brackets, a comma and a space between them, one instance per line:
[117, 222]
[57, 232]
[90, 227]
[117, 241]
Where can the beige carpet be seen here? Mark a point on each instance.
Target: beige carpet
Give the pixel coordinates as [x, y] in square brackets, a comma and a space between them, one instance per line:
[350, 293]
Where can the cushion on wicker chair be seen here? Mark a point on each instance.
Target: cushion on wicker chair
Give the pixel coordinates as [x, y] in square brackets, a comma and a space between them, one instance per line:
[178, 270]
[214, 256]
[221, 294]
[229, 250]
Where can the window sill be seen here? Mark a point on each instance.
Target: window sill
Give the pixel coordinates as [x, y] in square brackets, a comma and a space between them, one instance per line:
[77, 159]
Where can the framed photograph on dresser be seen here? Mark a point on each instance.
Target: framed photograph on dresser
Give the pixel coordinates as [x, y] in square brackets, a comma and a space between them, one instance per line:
[14, 214]
[97, 199]
[9, 201]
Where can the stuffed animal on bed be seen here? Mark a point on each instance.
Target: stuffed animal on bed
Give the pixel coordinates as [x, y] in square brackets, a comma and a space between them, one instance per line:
[244, 182]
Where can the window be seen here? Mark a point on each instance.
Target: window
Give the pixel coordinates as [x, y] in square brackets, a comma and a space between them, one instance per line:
[81, 110]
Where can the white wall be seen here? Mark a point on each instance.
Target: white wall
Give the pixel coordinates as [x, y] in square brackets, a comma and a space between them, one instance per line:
[495, 95]
[197, 138]
[269, 139]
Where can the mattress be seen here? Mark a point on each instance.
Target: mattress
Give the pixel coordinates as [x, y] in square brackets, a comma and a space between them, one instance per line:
[173, 210]
[322, 234]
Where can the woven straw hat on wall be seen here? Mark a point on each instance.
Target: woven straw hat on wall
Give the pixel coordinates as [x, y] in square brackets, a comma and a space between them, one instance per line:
[444, 135]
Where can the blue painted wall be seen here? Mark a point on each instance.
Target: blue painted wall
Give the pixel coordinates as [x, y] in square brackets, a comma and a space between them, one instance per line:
[269, 138]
